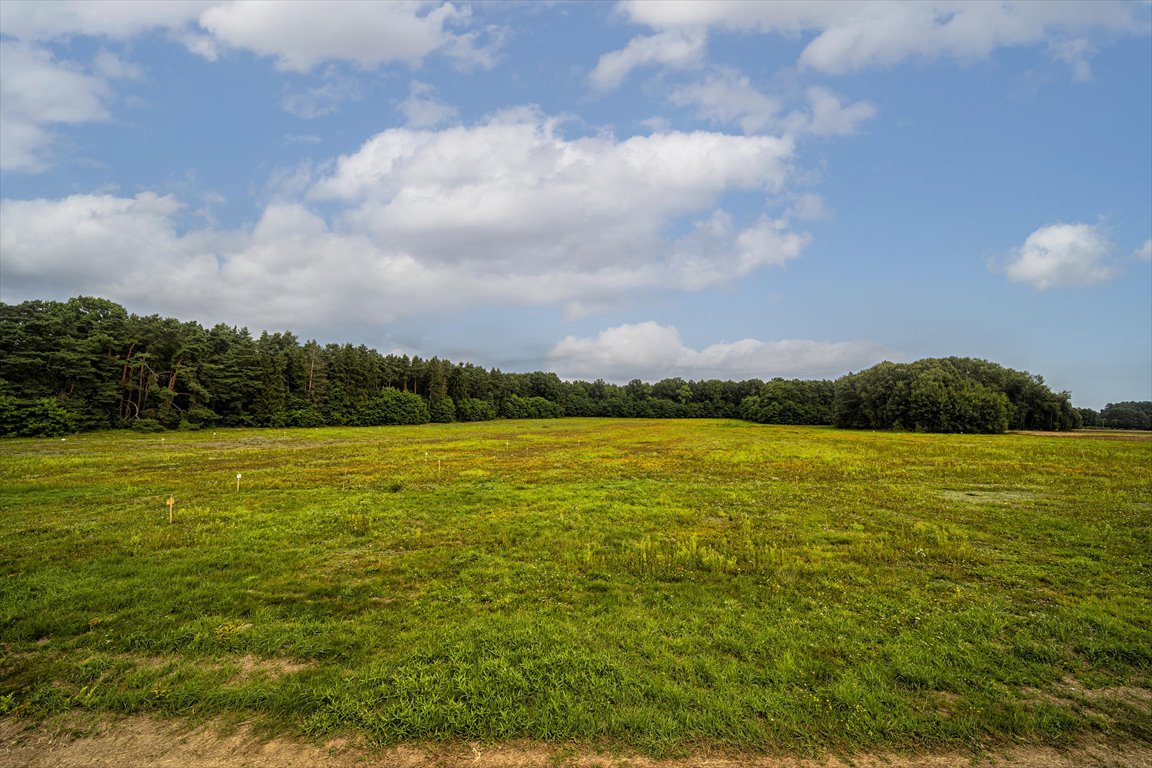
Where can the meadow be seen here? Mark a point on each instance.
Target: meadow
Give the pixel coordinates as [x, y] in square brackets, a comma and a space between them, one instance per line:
[665, 586]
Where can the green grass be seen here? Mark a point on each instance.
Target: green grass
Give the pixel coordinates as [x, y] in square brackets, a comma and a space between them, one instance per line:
[661, 585]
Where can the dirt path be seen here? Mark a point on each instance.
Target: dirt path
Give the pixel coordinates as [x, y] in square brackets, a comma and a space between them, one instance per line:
[85, 741]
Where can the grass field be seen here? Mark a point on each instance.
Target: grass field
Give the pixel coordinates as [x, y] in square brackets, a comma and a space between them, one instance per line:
[659, 585]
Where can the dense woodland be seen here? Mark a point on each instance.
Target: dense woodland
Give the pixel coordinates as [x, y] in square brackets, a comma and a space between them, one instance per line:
[87, 364]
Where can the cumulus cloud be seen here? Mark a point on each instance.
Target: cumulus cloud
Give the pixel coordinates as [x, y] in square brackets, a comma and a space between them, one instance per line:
[851, 36]
[651, 351]
[725, 95]
[677, 49]
[97, 243]
[37, 92]
[506, 211]
[827, 114]
[422, 109]
[1060, 255]
[304, 33]
[807, 206]
[45, 20]
[715, 251]
[299, 35]
[112, 67]
[513, 196]
[1075, 53]
[323, 99]
[1144, 252]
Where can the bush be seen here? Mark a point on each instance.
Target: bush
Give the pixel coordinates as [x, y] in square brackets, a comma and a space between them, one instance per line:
[392, 406]
[306, 417]
[34, 418]
[790, 402]
[475, 409]
[442, 410]
[517, 407]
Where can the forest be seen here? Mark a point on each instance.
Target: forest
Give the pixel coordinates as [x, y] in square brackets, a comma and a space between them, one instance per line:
[88, 364]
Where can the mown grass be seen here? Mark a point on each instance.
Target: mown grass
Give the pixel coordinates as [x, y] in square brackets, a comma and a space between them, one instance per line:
[661, 585]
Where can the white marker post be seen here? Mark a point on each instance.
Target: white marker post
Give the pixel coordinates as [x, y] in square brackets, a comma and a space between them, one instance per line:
[237, 481]
[171, 503]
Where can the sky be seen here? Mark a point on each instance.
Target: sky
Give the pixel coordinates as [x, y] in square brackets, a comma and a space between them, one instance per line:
[605, 190]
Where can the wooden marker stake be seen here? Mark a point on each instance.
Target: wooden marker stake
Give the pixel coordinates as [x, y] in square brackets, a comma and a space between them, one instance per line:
[171, 503]
[237, 481]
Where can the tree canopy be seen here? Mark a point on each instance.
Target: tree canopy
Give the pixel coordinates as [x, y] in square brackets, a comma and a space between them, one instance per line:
[87, 364]
[951, 394]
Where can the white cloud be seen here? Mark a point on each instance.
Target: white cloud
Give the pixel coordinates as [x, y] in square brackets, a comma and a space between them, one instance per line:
[511, 196]
[1075, 53]
[323, 99]
[422, 109]
[851, 36]
[304, 33]
[45, 20]
[299, 34]
[725, 95]
[94, 243]
[112, 67]
[505, 212]
[808, 206]
[1144, 252]
[715, 251]
[679, 49]
[1062, 255]
[36, 93]
[728, 96]
[651, 351]
[827, 115]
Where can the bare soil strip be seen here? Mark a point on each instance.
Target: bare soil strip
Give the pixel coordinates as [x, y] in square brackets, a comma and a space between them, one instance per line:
[87, 741]
[1131, 435]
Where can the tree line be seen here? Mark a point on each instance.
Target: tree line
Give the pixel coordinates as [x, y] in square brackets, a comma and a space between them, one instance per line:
[1126, 415]
[87, 364]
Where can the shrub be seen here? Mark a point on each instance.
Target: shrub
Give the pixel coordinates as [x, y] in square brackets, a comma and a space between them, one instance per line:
[34, 418]
[475, 409]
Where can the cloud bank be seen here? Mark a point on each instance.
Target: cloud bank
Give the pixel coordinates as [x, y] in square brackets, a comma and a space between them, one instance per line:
[853, 36]
[505, 211]
[651, 351]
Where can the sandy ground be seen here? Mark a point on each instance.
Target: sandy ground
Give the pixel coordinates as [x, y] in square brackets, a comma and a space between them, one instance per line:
[86, 741]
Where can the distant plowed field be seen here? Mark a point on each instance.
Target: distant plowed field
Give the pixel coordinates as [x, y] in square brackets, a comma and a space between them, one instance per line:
[667, 587]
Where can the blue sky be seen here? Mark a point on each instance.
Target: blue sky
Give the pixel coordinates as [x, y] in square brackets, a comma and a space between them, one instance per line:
[632, 190]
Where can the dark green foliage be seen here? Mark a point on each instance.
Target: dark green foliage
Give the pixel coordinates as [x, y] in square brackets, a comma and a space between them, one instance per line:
[306, 417]
[1088, 417]
[790, 402]
[87, 364]
[391, 406]
[950, 395]
[34, 418]
[475, 409]
[442, 410]
[517, 407]
[1126, 415]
